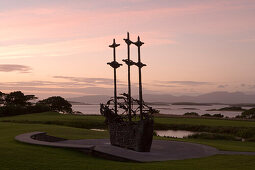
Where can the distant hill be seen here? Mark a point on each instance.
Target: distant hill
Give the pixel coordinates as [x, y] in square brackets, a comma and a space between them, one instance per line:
[90, 99]
[214, 97]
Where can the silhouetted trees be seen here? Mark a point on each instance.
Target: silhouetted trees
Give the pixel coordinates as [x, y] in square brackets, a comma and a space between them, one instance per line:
[16, 103]
[58, 104]
[247, 114]
[18, 98]
[1, 97]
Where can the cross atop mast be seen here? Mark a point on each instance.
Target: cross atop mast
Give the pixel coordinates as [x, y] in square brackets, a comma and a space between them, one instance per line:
[114, 64]
[139, 64]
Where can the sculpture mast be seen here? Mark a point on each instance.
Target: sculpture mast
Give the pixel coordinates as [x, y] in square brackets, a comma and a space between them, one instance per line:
[129, 63]
[114, 64]
[139, 64]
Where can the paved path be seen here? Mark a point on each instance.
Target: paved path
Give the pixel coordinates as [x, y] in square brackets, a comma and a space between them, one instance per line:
[161, 150]
[235, 153]
[27, 138]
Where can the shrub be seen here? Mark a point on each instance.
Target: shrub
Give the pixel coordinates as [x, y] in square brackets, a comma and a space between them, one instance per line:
[213, 136]
[214, 115]
[191, 114]
[207, 115]
[217, 115]
[38, 108]
[11, 110]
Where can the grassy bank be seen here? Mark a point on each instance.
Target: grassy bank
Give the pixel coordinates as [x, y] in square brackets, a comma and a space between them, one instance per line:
[78, 121]
[241, 128]
[97, 120]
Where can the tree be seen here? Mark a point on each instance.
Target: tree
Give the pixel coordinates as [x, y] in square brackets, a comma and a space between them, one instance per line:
[248, 114]
[18, 98]
[58, 104]
[2, 95]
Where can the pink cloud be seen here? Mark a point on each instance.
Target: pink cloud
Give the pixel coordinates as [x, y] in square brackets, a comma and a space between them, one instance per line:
[64, 22]
[83, 36]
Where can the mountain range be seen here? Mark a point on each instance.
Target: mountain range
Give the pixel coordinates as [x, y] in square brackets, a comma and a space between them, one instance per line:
[214, 97]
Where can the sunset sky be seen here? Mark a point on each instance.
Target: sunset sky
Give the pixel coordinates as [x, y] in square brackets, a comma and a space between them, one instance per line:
[60, 47]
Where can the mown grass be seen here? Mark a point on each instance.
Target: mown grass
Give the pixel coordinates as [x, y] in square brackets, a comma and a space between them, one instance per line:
[89, 121]
[16, 155]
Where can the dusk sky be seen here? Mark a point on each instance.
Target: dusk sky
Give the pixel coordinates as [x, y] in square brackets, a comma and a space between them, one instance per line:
[60, 47]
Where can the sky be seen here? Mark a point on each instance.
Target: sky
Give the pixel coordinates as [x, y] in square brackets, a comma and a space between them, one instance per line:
[192, 47]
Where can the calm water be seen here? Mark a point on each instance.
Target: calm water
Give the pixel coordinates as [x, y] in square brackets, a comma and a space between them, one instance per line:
[165, 133]
[98, 130]
[174, 133]
[171, 109]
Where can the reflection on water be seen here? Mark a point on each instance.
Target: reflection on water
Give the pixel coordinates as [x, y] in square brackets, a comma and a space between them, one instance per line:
[174, 133]
[99, 130]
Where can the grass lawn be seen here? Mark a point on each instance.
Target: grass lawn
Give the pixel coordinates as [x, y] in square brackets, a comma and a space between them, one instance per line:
[16, 155]
[59, 119]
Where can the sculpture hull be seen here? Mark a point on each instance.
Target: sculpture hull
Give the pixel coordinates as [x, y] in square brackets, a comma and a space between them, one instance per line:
[132, 135]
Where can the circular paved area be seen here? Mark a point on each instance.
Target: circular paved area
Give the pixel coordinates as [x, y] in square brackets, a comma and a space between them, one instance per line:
[161, 150]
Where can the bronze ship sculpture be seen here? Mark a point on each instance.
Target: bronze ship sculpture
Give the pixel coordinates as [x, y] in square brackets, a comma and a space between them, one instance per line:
[130, 121]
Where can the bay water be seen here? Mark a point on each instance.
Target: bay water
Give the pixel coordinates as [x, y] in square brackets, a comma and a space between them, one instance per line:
[168, 109]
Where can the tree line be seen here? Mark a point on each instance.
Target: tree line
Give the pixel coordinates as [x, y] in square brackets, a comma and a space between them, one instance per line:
[16, 103]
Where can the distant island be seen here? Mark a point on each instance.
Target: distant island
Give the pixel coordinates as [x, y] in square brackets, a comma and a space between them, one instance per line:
[192, 104]
[233, 108]
[244, 105]
[190, 108]
[158, 103]
[78, 103]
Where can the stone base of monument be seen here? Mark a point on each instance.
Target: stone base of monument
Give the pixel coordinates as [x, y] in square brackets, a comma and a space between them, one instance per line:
[129, 134]
[132, 135]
